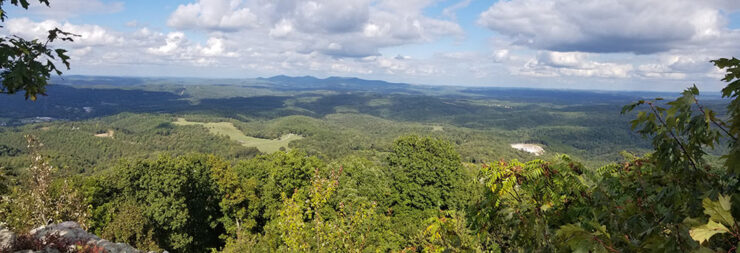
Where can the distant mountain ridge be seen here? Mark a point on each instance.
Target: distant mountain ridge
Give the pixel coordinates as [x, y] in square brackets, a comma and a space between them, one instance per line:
[353, 84]
[336, 83]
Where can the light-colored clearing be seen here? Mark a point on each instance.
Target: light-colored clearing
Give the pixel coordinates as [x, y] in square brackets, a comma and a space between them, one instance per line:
[531, 148]
[228, 129]
[108, 134]
[437, 128]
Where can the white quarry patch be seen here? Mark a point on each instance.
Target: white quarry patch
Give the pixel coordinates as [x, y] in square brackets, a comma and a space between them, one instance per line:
[531, 148]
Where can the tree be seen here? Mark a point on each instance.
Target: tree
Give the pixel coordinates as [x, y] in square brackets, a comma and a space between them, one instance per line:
[426, 175]
[26, 65]
[238, 195]
[448, 233]
[255, 189]
[45, 197]
[177, 197]
[526, 202]
[732, 127]
[129, 225]
[303, 227]
[672, 200]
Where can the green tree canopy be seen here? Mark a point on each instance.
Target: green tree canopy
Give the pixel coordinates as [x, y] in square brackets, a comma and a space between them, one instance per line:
[426, 177]
[266, 178]
[426, 172]
[176, 195]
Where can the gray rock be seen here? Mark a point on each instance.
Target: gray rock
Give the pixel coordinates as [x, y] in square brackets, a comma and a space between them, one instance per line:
[73, 233]
[7, 238]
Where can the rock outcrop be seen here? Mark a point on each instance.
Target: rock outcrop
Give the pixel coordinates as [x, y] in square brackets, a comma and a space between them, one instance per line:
[63, 237]
[7, 239]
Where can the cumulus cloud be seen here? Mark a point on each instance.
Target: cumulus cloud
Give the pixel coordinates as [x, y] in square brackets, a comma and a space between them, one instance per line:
[174, 41]
[222, 15]
[679, 66]
[90, 35]
[555, 64]
[97, 45]
[338, 28]
[605, 26]
[329, 16]
[535, 41]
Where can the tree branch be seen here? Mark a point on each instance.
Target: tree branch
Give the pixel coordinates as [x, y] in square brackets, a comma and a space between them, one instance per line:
[701, 109]
[691, 160]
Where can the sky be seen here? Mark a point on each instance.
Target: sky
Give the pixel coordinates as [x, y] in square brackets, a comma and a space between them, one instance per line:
[663, 45]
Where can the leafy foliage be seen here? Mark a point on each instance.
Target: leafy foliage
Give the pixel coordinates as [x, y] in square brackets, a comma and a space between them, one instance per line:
[645, 204]
[129, 225]
[303, 227]
[527, 201]
[448, 233]
[175, 195]
[414, 194]
[732, 126]
[44, 198]
[267, 177]
[426, 176]
[720, 221]
[22, 61]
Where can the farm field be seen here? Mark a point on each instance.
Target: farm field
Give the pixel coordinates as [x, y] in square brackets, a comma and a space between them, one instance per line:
[228, 129]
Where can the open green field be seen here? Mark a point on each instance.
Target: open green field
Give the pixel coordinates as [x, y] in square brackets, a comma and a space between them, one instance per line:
[228, 129]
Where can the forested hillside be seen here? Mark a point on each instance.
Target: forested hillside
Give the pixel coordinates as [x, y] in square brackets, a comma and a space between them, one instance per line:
[140, 114]
[374, 173]
[344, 164]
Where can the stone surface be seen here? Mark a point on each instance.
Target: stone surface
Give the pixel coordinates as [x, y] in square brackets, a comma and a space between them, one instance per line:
[535, 149]
[7, 238]
[70, 232]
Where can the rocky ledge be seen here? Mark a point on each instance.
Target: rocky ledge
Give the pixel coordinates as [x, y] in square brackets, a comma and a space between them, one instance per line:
[63, 237]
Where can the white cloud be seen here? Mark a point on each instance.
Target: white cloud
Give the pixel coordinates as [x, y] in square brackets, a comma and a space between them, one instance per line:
[339, 28]
[368, 38]
[328, 16]
[215, 47]
[659, 71]
[676, 66]
[555, 64]
[89, 35]
[221, 15]
[174, 41]
[638, 26]
[281, 29]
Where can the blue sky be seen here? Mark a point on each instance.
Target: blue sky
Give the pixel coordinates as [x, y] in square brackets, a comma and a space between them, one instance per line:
[593, 44]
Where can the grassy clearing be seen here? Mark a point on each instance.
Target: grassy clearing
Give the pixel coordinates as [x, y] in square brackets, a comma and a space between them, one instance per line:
[108, 134]
[228, 129]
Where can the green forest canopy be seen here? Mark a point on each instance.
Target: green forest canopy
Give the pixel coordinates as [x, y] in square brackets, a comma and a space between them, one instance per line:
[422, 197]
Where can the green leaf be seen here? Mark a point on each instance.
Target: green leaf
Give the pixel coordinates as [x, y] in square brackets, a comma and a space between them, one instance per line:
[579, 239]
[719, 211]
[704, 232]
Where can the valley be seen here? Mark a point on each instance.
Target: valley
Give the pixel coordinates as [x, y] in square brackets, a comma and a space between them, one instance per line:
[384, 149]
[331, 118]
